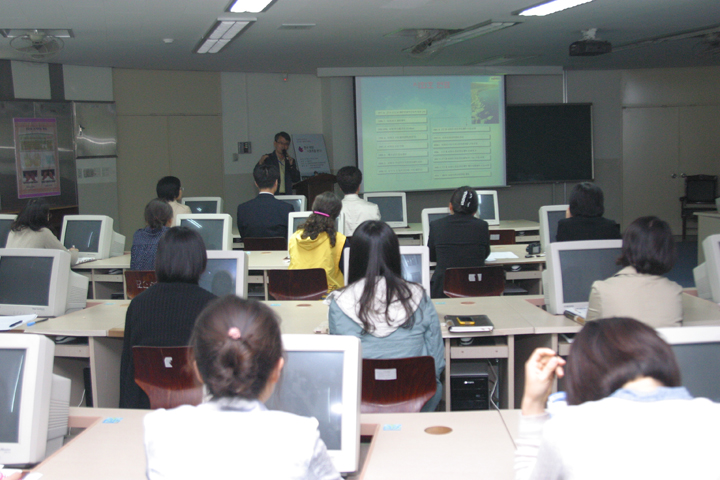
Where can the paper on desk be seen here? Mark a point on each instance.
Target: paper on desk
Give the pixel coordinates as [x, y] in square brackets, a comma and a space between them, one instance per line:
[494, 256]
[8, 322]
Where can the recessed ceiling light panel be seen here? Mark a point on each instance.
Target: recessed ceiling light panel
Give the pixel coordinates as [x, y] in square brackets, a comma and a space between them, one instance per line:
[548, 8]
[250, 6]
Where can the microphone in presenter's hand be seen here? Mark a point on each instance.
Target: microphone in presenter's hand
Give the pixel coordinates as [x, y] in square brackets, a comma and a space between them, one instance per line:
[289, 159]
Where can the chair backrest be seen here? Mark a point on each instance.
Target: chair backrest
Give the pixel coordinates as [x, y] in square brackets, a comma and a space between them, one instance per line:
[137, 281]
[264, 243]
[300, 284]
[166, 375]
[397, 385]
[502, 237]
[474, 282]
[701, 188]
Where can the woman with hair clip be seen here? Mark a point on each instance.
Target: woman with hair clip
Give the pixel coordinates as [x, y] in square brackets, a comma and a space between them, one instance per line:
[458, 240]
[316, 244]
[239, 357]
[31, 229]
[164, 314]
[627, 415]
[393, 318]
[640, 290]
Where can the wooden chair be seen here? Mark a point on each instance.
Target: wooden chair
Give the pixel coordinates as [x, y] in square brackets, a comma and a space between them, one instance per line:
[167, 377]
[502, 237]
[137, 281]
[301, 284]
[397, 385]
[700, 193]
[474, 282]
[264, 243]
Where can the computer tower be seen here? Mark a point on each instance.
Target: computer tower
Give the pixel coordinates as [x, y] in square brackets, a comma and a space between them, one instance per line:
[469, 385]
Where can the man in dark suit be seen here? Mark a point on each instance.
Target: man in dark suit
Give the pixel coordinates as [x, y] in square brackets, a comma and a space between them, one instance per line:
[286, 165]
[264, 215]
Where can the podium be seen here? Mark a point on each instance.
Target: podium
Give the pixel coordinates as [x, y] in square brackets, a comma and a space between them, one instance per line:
[313, 186]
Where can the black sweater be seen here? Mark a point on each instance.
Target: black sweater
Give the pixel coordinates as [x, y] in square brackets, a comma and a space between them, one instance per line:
[161, 316]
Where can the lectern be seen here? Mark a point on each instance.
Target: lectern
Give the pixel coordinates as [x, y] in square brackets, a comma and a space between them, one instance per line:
[313, 186]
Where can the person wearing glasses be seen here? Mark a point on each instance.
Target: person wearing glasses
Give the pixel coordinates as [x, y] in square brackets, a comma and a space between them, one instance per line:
[279, 158]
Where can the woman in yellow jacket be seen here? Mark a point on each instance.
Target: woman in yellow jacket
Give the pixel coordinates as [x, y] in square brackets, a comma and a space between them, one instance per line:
[316, 244]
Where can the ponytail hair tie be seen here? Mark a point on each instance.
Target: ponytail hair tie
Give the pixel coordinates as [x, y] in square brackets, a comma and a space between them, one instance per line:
[462, 201]
[234, 333]
[321, 213]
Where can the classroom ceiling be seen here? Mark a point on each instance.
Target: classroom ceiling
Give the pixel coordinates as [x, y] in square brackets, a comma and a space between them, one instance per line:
[357, 33]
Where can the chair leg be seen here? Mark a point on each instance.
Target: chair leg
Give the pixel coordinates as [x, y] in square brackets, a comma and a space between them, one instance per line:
[684, 227]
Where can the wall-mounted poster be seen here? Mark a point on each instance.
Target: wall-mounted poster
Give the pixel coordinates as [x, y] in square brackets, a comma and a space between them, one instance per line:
[37, 165]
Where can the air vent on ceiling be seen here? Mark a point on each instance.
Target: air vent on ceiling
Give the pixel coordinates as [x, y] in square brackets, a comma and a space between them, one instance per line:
[296, 26]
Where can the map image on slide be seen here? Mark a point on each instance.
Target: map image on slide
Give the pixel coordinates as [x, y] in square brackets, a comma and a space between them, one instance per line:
[430, 133]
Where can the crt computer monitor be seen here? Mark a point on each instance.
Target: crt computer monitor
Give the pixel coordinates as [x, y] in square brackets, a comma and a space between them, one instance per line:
[414, 264]
[707, 274]
[33, 402]
[39, 280]
[214, 228]
[392, 205]
[321, 378]
[572, 267]
[429, 215]
[92, 235]
[549, 216]
[298, 202]
[226, 273]
[295, 219]
[697, 350]
[488, 206]
[204, 204]
[5, 222]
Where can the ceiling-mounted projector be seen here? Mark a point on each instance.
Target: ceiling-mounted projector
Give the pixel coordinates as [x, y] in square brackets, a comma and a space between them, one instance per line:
[589, 48]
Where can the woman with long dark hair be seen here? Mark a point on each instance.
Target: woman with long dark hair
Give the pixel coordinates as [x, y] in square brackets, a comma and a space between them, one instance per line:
[31, 229]
[459, 239]
[393, 318]
[627, 415]
[316, 243]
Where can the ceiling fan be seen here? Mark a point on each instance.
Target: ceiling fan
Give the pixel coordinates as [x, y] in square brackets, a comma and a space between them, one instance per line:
[37, 44]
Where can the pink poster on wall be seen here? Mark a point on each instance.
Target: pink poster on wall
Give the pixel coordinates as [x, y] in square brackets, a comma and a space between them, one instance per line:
[37, 165]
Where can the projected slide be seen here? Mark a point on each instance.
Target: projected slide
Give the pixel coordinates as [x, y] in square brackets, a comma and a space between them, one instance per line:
[430, 133]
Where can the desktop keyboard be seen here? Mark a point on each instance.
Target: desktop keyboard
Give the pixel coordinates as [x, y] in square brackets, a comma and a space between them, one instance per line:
[84, 260]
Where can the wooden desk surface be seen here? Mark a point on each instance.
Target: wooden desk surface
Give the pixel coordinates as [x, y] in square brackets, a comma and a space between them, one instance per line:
[478, 446]
[95, 321]
[122, 261]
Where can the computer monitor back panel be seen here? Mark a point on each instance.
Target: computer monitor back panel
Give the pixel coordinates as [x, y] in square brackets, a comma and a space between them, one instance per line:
[697, 350]
[414, 264]
[488, 206]
[215, 229]
[204, 204]
[5, 222]
[226, 273]
[298, 202]
[572, 267]
[707, 274]
[321, 379]
[393, 207]
[549, 216]
[429, 215]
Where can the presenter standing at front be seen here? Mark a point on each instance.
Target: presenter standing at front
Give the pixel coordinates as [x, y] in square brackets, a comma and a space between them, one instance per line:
[289, 172]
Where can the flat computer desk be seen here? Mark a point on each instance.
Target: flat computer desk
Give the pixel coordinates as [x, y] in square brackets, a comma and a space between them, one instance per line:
[478, 446]
[526, 231]
[106, 276]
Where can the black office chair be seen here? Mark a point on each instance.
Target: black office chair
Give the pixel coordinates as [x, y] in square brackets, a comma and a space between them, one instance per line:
[700, 194]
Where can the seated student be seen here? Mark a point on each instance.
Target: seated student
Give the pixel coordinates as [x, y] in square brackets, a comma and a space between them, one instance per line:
[316, 244]
[627, 415]
[356, 209]
[640, 290]
[158, 218]
[239, 355]
[584, 216]
[393, 318]
[169, 189]
[31, 229]
[164, 314]
[457, 240]
[264, 215]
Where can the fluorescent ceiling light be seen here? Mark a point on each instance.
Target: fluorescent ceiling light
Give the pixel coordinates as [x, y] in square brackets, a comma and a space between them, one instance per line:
[55, 32]
[224, 30]
[550, 7]
[674, 36]
[250, 6]
[474, 31]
